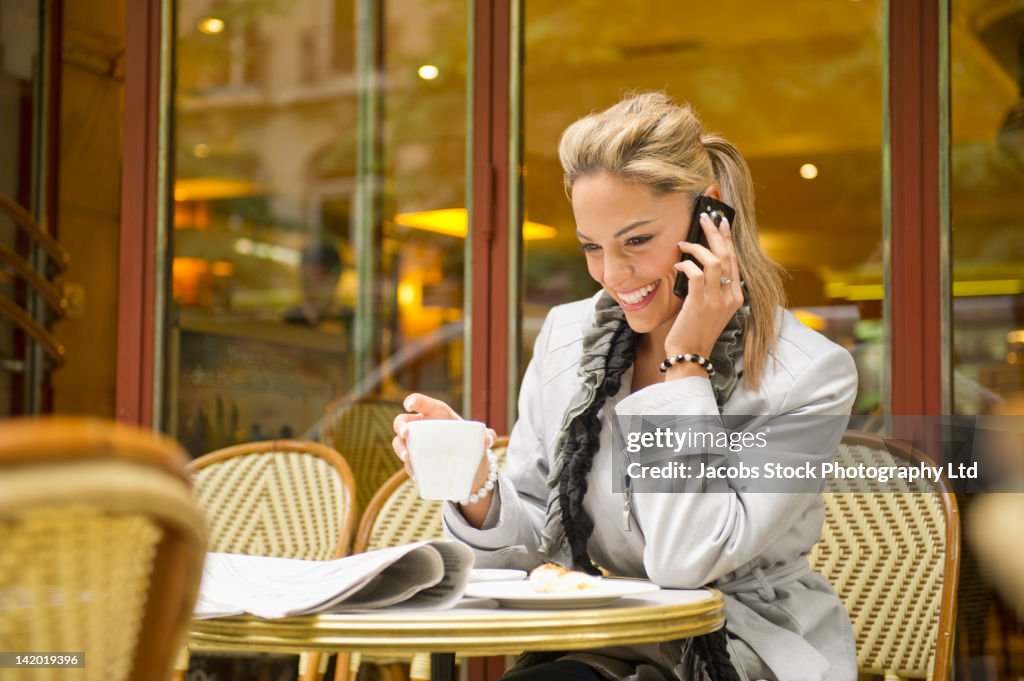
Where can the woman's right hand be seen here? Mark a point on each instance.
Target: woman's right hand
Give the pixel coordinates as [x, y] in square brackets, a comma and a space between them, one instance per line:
[425, 408]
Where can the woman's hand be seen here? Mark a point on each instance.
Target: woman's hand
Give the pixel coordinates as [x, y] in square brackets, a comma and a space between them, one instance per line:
[425, 408]
[710, 303]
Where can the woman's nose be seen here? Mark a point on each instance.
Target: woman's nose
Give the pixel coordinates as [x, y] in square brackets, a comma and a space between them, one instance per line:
[617, 270]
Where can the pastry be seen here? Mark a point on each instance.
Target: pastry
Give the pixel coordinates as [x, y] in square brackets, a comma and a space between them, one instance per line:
[551, 578]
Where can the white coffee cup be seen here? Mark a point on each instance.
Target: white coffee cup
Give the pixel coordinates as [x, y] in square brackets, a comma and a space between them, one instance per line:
[445, 456]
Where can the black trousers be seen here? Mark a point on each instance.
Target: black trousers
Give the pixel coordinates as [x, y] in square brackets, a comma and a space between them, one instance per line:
[559, 670]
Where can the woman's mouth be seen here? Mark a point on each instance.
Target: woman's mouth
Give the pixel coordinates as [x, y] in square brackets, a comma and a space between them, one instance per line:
[637, 299]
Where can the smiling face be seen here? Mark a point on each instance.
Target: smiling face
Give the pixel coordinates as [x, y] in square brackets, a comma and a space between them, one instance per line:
[630, 238]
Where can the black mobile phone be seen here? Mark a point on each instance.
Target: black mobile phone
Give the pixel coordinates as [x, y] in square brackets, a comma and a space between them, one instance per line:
[716, 210]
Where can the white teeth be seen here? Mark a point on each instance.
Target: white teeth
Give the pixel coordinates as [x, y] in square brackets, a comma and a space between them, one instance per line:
[634, 297]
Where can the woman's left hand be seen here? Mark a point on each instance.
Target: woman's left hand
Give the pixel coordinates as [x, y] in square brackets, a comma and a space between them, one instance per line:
[712, 300]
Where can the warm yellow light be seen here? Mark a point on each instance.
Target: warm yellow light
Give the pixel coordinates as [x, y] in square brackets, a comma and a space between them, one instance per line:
[409, 294]
[845, 291]
[223, 268]
[809, 319]
[535, 231]
[210, 25]
[428, 72]
[961, 289]
[808, 171]
[209, 188]
[452, 221]
[1015, 337]
[990, 287]
[201, 150]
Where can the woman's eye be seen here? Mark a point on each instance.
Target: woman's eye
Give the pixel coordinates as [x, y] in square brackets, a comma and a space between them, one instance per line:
[637, 240]
[589, 247]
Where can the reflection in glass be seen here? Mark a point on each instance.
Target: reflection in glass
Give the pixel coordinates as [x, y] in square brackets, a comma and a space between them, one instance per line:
[273, 202]
[987, 73]
[798, 92]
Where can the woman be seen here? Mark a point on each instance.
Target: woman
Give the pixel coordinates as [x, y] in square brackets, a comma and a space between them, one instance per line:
[633, 173]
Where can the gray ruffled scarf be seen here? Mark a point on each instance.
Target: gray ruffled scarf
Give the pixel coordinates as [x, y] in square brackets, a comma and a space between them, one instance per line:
[608, 320]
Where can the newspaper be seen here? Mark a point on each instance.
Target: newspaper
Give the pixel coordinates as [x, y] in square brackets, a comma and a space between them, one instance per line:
[426, 575]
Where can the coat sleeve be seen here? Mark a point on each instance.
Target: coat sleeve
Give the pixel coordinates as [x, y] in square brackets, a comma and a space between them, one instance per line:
[510, 535]
[693, 537]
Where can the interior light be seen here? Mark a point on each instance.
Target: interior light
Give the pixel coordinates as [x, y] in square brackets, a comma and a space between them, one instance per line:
[409, 294]
[452, 222]
[961, 289]
[201, 150]
[428, 72]
[211, 25]
[808, 171]
[809, 319]
[267, 251]
[212, 188]
[223, 268]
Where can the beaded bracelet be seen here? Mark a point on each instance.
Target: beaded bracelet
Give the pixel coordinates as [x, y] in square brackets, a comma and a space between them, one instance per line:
[700, 361]
[492, 477]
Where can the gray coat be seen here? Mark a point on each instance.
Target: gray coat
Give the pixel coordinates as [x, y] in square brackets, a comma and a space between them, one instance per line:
[784, 620]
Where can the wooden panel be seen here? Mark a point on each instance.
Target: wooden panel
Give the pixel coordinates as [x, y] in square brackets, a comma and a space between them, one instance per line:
[138, 213]
[489, 311]
[916, 237]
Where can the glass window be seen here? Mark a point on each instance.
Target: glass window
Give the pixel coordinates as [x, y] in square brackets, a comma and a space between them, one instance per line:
[319, 212]
[799, 92]
[21, 112]
[987, 81]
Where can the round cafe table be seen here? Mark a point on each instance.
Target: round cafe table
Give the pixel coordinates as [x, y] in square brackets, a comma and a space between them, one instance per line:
[473, 627]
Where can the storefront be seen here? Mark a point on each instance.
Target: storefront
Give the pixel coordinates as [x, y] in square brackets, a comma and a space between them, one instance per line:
[327, 201]
[408, 137]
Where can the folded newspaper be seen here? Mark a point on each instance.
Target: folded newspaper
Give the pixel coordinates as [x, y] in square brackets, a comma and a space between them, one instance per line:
[425, 575]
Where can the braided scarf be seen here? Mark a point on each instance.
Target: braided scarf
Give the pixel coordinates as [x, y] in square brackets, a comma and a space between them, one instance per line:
[609, 348]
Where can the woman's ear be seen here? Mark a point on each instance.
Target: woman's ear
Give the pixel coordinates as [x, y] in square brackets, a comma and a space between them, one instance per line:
[714, 192]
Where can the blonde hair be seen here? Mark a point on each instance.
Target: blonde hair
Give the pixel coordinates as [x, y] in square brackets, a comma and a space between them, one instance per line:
[647, 138]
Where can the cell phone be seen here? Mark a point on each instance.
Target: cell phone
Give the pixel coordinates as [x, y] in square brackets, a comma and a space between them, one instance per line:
[716, 210]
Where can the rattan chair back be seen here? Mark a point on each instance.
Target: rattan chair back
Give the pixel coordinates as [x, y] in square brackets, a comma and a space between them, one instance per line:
[892, 554]
[397, 515]
[362, 431]
[281, 498]
[103, 547]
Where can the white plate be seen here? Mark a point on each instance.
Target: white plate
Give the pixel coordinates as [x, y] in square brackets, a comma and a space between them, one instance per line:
[521, 594]
[496, 575]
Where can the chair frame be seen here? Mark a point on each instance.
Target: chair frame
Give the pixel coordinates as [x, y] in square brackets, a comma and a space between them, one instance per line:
[943, 660]
[177, 563]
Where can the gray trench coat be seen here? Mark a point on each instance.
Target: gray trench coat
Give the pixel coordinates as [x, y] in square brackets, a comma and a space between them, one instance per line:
[784, 620]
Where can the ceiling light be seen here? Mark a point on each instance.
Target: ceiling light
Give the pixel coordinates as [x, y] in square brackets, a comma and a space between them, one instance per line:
[428, 72]
[201, 150]
[210, 25]
[453, 222]
[808, 171]
[213, 188]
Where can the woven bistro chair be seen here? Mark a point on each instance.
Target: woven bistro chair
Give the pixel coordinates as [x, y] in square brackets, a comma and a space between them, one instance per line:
[362, 431]
[892, 554]
[281, 498]
[397, 515]
[102, 548]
